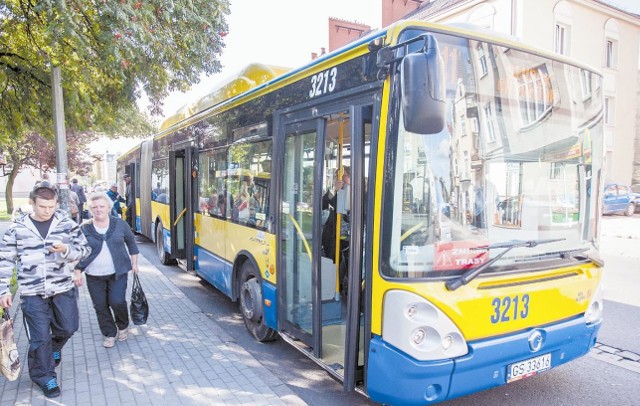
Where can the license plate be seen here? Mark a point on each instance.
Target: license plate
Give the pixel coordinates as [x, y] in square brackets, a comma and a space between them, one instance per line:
[528, 367]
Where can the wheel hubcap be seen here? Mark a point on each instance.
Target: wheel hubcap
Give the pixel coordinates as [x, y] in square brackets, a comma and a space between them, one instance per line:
[251, 299]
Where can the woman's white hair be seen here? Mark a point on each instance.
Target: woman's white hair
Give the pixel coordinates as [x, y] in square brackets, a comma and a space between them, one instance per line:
[97, 196]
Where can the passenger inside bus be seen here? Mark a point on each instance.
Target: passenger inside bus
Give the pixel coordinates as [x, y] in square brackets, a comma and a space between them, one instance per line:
[241, 207]
[213, 205]
[255, 208]
[332, 203]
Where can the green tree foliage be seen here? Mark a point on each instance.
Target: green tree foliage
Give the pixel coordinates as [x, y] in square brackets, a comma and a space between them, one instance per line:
[108, 52]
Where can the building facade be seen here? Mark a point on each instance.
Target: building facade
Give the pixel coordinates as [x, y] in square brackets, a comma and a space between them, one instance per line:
[591, 31]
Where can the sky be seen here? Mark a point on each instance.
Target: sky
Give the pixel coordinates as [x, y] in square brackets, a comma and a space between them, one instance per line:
[276, 32]
[627, 5]
[287, 37]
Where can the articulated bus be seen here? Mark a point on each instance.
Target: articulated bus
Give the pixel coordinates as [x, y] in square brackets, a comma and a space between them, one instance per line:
[463, 247]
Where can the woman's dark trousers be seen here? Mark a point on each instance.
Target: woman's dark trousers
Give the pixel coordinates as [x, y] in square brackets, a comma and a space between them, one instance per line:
[108, 294]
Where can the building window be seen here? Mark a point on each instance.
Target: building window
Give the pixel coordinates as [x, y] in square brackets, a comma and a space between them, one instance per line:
[463, 124]
[488, 118]
[535, 93]
[467, 166]
[610, 54]
[609, 115]
[585, 83]
[482, 59]
[562, 38]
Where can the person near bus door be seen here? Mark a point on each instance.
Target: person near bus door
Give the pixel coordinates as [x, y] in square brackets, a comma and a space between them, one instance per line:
[330, 203]
[129, 216]
[115, 197]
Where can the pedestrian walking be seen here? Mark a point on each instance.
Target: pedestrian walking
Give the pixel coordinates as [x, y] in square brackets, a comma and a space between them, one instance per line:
[46, 182]
[82, 197]
[43, 244]
[129, 215]
[113, 254]
[74, 204]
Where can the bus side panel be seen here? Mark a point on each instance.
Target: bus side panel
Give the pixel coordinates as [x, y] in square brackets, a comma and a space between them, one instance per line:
[138, 226]
[214, 270]
[269, 294]
[211, 262]
[161, 211]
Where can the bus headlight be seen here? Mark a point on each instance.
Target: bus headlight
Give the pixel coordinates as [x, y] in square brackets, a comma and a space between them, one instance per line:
[414, 325]
[595, 309]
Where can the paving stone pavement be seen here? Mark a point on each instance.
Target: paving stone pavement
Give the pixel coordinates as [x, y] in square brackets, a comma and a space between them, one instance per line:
[180, 357]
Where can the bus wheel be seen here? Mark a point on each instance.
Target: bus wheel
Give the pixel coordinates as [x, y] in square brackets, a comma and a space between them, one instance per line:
[631, 208]
[251, 304]
[164, 257]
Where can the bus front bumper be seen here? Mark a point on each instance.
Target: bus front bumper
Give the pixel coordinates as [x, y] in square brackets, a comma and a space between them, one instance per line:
[395, 378]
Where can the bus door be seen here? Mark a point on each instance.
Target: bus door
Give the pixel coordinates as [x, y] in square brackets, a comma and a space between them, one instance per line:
[299, 236]
[182, 165]
[131, 195]
[321, 247]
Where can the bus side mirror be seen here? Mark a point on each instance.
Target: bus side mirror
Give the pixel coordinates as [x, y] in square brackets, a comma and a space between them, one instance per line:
[423, 92]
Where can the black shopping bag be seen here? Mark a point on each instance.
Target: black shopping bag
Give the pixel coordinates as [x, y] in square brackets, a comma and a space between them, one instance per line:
[9, 359]
[139, 307]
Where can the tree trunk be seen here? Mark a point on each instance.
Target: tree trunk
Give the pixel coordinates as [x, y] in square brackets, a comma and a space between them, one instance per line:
[9, 190]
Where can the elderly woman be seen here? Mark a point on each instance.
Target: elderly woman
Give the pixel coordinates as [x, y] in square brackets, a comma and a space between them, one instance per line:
[113, 254]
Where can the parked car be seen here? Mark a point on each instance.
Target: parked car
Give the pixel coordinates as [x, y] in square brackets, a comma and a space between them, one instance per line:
[636, 190]
[618, 199]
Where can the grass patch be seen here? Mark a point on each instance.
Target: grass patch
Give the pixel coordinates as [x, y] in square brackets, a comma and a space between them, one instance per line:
[4, 216]
[13, 286]
[17, 202]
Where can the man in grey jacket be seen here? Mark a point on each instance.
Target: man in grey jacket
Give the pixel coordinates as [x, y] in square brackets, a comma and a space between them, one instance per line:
[43, 245]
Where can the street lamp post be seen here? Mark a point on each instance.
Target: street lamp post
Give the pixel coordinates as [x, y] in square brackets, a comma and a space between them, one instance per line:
[60, 137]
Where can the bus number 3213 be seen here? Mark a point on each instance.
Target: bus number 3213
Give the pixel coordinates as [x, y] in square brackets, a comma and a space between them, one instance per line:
[323, 82]
[509, 308]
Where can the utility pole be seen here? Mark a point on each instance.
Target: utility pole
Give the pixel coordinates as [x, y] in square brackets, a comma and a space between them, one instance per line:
[61, 138]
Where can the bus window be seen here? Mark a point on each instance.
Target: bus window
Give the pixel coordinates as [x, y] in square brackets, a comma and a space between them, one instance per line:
[160, 181]
[248, 182]
[212, 179]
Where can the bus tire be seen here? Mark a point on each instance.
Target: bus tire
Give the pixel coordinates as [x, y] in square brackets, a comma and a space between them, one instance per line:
[251, 304]
[165, 258]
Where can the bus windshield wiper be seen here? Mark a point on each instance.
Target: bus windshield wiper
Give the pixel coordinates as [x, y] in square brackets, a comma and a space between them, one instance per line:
[471, 274]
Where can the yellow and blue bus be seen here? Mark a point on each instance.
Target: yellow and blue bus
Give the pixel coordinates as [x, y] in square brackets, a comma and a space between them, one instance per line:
[461, 252]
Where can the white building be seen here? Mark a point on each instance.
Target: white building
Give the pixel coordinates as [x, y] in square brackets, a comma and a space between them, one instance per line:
[595, 32]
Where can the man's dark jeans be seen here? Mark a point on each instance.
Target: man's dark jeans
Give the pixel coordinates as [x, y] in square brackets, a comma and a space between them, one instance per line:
[108, 294]
[50, 322]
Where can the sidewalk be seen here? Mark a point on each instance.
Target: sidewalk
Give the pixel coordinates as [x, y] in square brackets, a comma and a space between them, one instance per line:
[180, 357]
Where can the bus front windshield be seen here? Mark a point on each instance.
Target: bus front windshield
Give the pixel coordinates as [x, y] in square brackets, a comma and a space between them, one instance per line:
[519, 159]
